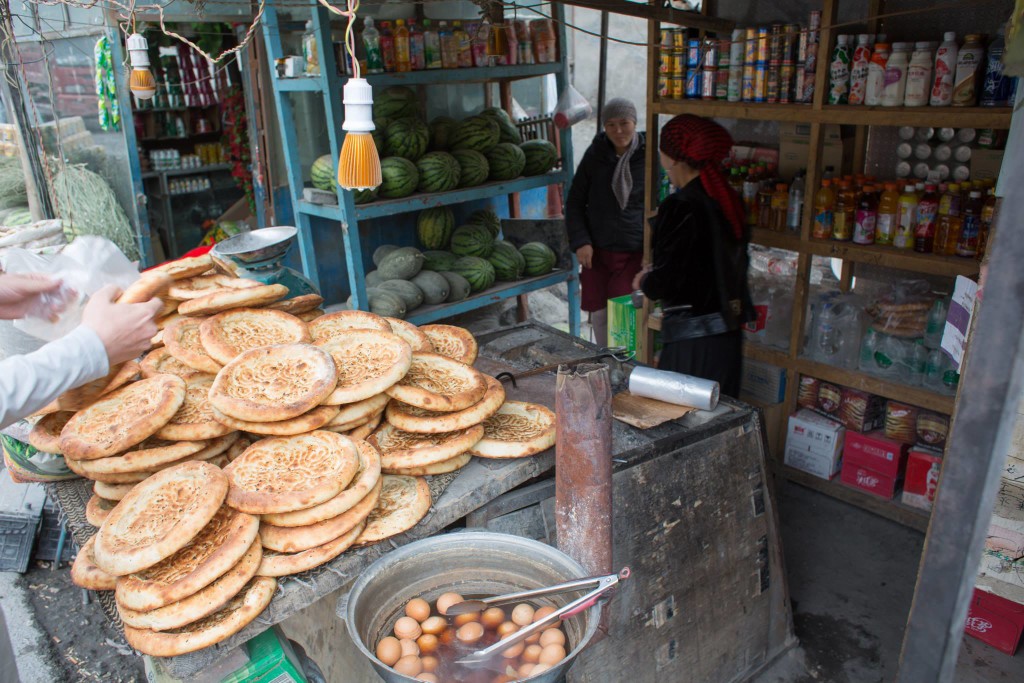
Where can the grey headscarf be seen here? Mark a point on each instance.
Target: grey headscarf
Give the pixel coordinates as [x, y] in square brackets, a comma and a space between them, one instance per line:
[622, 178]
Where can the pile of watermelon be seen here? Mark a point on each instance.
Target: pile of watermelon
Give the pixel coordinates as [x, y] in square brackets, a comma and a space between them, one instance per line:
[442, 155]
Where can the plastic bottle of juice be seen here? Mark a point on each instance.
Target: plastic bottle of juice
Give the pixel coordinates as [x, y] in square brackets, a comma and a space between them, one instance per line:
[904, 237]
[947, 227]
[309, 50]
[371, 41]
[417, 48]
[888, 215]
[387, 46]
[464, 45]
[988, 221]
[996, 86]
[844, 215]
[927, 211]
[449, 47]
[970, 232]
[780, 207]
[403, 61]
[859, 69]
[945, 70]
[431, 46]
[824, 208]
[866, 217]
[876, 74]
[839, 72]
[969, 63]
[751, 184]
[896, 75]
[479, 39]
[919, 75]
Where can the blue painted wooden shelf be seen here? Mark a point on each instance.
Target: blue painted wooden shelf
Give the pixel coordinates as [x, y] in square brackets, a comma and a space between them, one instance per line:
[473, 75]
[302, 84]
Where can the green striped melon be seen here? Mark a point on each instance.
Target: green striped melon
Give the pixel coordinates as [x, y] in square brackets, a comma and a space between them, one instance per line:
[438, 260]
[472, 240]
[364, 196]
[507, 261]
[406, 138]
[459, 286]
[540, 259]
[434, 286]
[506, 161]
[379, 124]
[435, 226]
[323, 175]
[395, 102]
[488, 219]
[508, 131]
[441, 130]
[410, 294]
[382, 252]
[541, 157]
[475, 168]
[479, 133]
[479, 273]
[401, 264]
[439, 172]
[400, 178]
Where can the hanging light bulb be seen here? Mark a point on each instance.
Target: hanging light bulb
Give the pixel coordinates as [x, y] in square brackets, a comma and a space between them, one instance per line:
[358, 163]
[141, 82]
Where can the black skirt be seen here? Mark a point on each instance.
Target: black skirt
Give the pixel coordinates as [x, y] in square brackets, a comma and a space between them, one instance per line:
[718, 357]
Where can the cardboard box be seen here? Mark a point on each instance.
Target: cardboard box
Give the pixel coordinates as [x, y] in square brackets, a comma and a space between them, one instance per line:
[794, 143]
[932, 429]
[814, 444]
[985, 163]
[995, 620]
[623, 322]
[861, 411]
[875, 452]
[922, 478]
[763, 382]
[1005, 537]
[1000, 566]
[868, 480]
[821, 466]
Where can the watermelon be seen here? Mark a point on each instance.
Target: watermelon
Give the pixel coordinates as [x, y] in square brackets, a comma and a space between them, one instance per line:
[406, 138]
[488, 219]
[508, 131]
[507, 261]
[434, 286]
[506, 161]
[478, 133]
[441, 130]
[459, 286]
[400, 177]
[410, 294]
[434, 227]
[401, 264]
[540, 259]
[475, 168]
[382, 252]
[387, 304]
[323, 175]
[364, 196]
[373, 279]
[439, 172]
[394, 103]
[479, 273]
[379, 124]
[438, 261]
[541, 156]
[472, 240]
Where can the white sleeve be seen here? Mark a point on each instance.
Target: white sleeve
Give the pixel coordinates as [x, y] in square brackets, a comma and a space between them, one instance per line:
[30, 382]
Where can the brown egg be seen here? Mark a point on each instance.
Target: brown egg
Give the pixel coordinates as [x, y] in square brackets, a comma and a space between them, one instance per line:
[418, 609]
[552, 636]
[407, 627]
[409, 647]
[525, 670]
[539, 668]
[430, 663]
[492, 618]
[506, 628]
[470, 633]
[389, 650]
[446, 600]
[434, 625]
[532, 653]
[552, 654]
[409, 666]
[429, 677]
[523, 614]
[535, 638]
[428, 643]
[447, 636]
[514, 651]
[463, 619]
[543, 612]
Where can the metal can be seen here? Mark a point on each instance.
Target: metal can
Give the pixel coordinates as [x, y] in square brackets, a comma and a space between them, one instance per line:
[801, 50]
[811, 63]
[693, 83]
[750, 47]
[666, 39]
[679, 39]
[664, 86]
[787, 73]
[815, 21]
[772, 86]
[711, 52]
[666, 61]
[678, 88]
[692, 53]
[747, 84]
[760, 82]
[724, 54]
[790, 35]
[808, 87]
[678, 63]
[775, 43]
[762, 44]
[709, 80]
[722, 84]
[736, 47]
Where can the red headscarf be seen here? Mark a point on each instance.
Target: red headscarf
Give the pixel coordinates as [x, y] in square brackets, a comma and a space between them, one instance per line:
[703, 144]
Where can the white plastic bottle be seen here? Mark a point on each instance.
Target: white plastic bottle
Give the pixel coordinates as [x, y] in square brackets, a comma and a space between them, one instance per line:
[968, 65]
[945, 70]
[839, 72]
[876, 74]
[896, 75]
[859, 69]
[919, 75]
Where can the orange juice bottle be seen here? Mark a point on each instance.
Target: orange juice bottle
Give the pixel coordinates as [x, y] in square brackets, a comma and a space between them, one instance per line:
[824, 207]
[888, 215]
[843, 217]
[907, 220]
[947, 230]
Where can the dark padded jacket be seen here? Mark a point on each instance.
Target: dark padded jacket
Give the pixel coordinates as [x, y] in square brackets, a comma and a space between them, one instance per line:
[592, 213]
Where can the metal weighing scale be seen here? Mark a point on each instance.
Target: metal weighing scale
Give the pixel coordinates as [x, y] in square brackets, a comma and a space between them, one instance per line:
[257, 255]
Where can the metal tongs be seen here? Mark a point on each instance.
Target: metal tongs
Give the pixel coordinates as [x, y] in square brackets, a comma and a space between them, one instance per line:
[604, 585]
[619, 354]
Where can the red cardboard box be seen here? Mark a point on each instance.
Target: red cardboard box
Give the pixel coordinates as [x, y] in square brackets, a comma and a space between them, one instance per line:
[995, 620]
[922, 478]
[875, 483]
[861, 411]
[875, 452]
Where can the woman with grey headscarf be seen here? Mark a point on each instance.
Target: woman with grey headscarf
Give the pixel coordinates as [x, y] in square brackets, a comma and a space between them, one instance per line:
[605, 210]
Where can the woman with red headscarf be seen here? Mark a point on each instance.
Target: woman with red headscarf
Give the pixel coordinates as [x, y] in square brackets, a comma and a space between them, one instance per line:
[699, 256]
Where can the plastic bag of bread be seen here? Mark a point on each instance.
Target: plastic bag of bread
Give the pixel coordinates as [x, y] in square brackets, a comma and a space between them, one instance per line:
[903, 311]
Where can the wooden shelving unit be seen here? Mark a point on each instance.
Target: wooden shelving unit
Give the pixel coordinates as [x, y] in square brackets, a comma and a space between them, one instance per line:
[817, 114]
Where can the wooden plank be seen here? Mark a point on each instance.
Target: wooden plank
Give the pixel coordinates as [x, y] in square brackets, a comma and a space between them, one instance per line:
[778, 240]
[891, 257]
[645, 333]
[765, 354]
[875, 385]
[890, 509]
[665, 15]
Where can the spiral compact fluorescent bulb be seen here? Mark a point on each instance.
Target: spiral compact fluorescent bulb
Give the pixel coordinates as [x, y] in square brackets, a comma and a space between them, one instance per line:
[358, 163]
[141, 82]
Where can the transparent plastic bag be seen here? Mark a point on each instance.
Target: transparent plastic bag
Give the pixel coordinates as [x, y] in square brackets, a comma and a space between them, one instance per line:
[572, 107]
[903, 310]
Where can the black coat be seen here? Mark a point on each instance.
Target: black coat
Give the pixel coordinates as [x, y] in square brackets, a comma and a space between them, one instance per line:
[592, 213]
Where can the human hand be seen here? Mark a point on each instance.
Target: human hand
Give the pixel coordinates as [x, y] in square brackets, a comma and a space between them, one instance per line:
[20, 293]
[638, 279]
[124, 329]
[585, 255]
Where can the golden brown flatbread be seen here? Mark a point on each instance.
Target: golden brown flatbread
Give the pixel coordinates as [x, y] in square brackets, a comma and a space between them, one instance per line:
[150, 455]
[368, 362]
[364, 431]
[203, 285]
[438, 383]
[113, 492]
[517, 430]
[456, 463]
[333, 324]
[284, 539]
[402, 450]
[360, 410]
[148, 286]
[181, 339]
[227, 334]
[310, 316]
[412, 334]
[186, 267]
[455, 342]
[85, 573]
[234, 298]
[97, 510]
[404, 501]
[307, 422]
[84, 396]
[412, 419]
[194, 420]
[161, 362]
[298, 304]
[286, 564]
[45, 435]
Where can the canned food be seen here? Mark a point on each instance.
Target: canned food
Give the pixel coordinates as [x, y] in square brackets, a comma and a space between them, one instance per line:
[679, 39]
[693, 83]
[772, 89]
[736, 47]
[750, 47]
[678, 63]
[724, 54]
[678, 84]
[775, 43]
[666, 38]
[790, 35]
[815, 21]
[760, 82]
[710, 57]
[692, 53]
[664, 86]
[709, 80]
[666, 62]
[747, 84]
[722, 84]
[786, 76]
[762, 44]
[801, 50]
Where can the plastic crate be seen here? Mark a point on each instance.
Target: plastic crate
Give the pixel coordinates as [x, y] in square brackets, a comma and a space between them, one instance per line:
[49, 537]
[21, 511]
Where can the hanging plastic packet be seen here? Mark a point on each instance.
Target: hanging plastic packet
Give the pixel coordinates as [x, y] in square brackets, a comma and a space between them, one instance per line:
[572, 107]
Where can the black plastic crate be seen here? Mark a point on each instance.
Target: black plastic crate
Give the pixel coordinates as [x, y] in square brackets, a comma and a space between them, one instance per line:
[21, 512]
[49, 536]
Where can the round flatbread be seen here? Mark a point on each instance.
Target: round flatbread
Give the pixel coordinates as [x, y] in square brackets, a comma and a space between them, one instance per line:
[288, 473]
[226, 335]
[412, 334]
[97, 510]
[111, 491]
[327, 326]
[366, 478]
[456, 463]
[148, 456]
[310, 316]
[148, 286]
[368, 362]
[412, 419]
[170, 306]
[202, 285]
[307, 422]
[286, 564]
[360, 410]
[364, 431]
[237, 449]
[404, 501]
[217, 446]
[402, 450]
[234, 298]
[220, 625]
[201, 604]
[181, 339]
[85, 573]
[45, 435]
[218, 547]
[161, 362]
[82, 397]
[194, 420]
[186, 267]
[517, 430]
[123, 418]
[274, 383]
[159, 517]
[298, 304]
[284, 539]
[454, 342]
[126, 478]
[436, 382]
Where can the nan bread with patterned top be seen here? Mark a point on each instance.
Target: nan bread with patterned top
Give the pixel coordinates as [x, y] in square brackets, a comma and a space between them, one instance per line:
[517, 430]
[368, 362]
[438, 383]
[226, 335]
[455, 342]
[404, 501]
[412, 419]
[400, 450]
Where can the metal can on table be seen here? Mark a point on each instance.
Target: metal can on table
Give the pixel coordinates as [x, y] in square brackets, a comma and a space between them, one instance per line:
[678, 87]
[693, 83]
[709, 80]
[748, 82]
[760, 82]
[762, 44]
